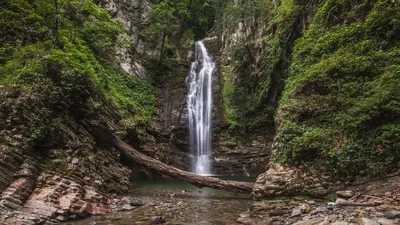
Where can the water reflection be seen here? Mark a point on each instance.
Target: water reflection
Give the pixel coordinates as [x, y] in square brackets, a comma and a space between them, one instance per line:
[179, 203]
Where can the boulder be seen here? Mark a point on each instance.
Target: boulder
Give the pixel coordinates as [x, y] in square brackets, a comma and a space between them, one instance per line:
[345, 194]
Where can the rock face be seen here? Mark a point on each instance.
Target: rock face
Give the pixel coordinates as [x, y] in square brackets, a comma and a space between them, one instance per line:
[134, 15]
[60, 177]
[247, 157]
[280, 180]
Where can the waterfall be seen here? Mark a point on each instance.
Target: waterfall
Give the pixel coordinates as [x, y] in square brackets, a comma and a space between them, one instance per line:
[199, 108]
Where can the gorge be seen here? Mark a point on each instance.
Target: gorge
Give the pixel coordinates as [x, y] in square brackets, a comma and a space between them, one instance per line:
[98, 98]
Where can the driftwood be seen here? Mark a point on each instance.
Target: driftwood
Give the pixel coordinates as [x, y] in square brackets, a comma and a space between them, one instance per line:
[162, 168]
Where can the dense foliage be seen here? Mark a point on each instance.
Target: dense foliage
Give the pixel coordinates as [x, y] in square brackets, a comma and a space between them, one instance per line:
[337, 63]
[261, 57]
[341, 104]
[177, 23]
[325, 74]
[60, 53]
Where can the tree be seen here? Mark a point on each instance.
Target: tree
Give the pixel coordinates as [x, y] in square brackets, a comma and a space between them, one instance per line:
[162, 22]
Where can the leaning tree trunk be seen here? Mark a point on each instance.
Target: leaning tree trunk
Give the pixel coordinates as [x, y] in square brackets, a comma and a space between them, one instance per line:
[103, 134]
[197, 180]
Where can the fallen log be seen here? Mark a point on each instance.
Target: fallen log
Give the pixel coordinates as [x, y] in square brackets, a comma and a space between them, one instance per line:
[197, 180]
[132, 154]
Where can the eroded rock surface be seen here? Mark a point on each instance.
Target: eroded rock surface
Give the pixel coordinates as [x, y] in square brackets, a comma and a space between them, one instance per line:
[280, 180]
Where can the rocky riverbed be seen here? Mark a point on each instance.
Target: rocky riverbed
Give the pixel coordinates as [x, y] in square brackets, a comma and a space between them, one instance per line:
[165, 201]
[173, 202]
[372, 203]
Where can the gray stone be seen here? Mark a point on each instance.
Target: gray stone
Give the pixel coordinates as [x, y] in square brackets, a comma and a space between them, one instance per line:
[394, 214]
[156, 220]
[345, 194]
[75, 161]
[127, 207]
[340, 223]
[384, 221]
[388, 194]
[61, 218]
[339, 200]
[366, 221]
[320, 209]
[296, 212]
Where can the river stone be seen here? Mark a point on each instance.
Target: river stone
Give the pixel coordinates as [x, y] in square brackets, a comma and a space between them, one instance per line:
[394, 214]
[345, 194]
[127, 207]
[384, 221]
[310, 222]
[320, 209]
[156, 220]
[339, 200]
[366, 221]
[296, 212]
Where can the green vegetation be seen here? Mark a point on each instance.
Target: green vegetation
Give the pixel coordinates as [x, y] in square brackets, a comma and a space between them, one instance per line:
[325, 74]
[57, 56]
[177, 23]
[257, 83]
[339, 61]
[340, 108]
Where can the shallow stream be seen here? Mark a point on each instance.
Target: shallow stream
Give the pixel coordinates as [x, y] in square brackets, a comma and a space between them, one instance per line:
[178, 203]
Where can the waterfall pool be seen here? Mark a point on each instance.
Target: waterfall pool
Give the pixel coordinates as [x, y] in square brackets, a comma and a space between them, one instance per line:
[178, 202]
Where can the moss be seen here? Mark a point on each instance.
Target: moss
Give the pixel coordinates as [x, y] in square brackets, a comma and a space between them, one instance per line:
[62, 55]
[250, 87]
[340, 103]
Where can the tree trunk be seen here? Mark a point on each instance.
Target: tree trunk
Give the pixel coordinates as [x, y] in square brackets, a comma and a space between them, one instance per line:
[103, 135]
[162, 50]
[197, 180]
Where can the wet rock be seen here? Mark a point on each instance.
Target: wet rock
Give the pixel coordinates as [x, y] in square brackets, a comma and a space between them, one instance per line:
[345, 194]
[296, 212]
[156, 220]
[366, 221]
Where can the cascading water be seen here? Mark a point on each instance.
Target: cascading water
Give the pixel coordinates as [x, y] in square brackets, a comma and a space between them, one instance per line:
[199, 107]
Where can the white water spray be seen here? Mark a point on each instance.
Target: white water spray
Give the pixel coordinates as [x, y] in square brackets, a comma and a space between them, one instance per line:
[199, 107]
